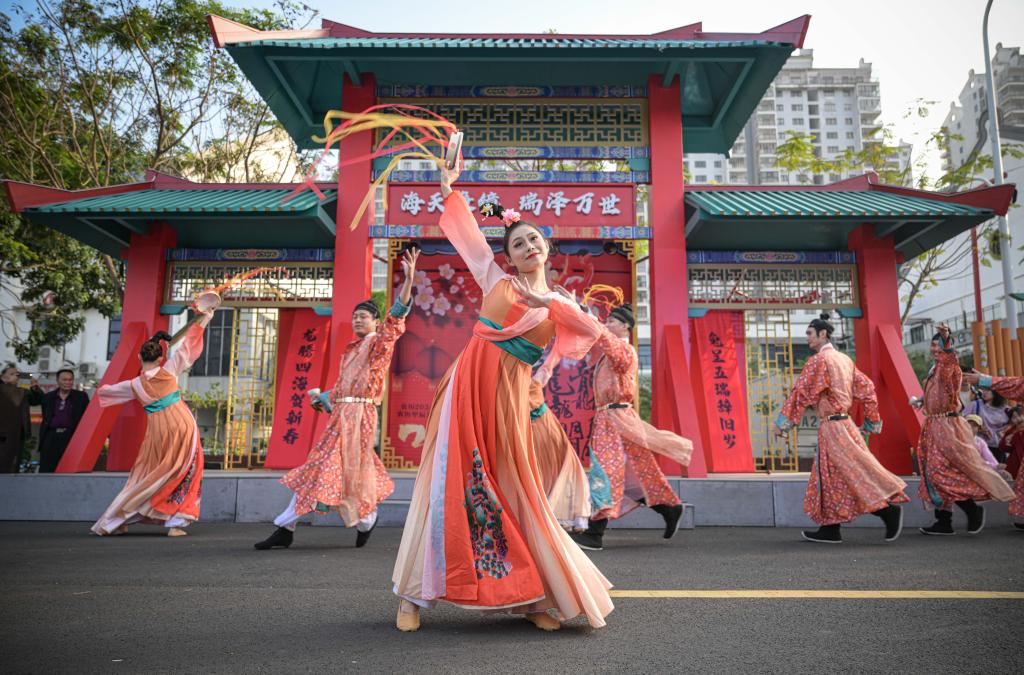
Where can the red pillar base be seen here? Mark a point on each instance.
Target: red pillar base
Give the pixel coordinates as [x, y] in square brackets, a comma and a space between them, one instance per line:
[673, 405]
[880, 352]
[146, 263]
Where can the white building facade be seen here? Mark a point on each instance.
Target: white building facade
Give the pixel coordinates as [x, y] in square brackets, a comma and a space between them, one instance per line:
[952, 301]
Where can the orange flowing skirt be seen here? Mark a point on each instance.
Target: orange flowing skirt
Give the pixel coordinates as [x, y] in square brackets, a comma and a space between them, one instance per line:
[480, 532]
[164, 485]
[563, 478]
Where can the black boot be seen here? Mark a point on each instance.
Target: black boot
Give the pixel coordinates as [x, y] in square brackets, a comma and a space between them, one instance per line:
[592, 539]
[943, 525]
[1019, 526]
[826, 534]
[975, 515]
[282, 537]
[671, 514]
[892, 516]
[363, 537]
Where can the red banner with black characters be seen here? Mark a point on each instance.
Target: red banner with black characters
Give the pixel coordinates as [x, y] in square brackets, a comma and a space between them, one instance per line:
[300, 363]
[446, 305]
[725, 404]
[550, 204]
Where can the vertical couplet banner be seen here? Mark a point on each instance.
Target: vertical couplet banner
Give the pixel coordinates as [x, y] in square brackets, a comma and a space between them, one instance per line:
[301, 358]
[725, 404]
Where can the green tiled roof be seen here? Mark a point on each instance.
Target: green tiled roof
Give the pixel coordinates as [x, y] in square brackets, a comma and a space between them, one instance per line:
[822, 204]
[509, 43]
[190, 201]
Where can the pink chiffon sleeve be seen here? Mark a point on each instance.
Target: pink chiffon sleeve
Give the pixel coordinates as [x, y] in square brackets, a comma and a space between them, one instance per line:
[187, 352]
[460, 227]
[115, 394]
[575, 331]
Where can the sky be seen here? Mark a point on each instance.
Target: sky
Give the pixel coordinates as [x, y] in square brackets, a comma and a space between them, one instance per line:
[920, 50]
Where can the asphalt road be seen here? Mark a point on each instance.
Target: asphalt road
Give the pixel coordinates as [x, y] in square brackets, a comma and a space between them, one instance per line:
[209, 603]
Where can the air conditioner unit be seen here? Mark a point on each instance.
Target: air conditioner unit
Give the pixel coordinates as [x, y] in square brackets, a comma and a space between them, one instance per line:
[44, 359]
[87, 369]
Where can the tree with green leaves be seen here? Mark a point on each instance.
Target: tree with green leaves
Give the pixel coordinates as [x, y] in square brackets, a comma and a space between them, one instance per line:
[93, 93]
[800, 154]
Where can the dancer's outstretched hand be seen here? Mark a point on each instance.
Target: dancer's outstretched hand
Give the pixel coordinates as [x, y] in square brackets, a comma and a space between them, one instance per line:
[449, 176]
[528, 296]
[565, 292]
[409, 259]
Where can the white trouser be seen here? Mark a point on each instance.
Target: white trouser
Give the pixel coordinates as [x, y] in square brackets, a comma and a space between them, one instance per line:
[288, 519]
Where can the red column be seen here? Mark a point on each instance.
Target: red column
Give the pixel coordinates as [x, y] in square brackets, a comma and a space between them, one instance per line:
[673, 402]
[353, 249]
[879, 344]
[146, 265]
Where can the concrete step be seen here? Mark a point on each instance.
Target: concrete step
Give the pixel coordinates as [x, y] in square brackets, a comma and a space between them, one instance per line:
[258, 496]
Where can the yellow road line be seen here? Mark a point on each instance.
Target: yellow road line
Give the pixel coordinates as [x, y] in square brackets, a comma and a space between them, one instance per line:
[854, 595]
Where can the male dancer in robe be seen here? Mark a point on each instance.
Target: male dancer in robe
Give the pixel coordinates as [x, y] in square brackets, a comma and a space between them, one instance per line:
[1012, 388]
[952, 471]
[846, 480]
[342, 471]
[623, 466]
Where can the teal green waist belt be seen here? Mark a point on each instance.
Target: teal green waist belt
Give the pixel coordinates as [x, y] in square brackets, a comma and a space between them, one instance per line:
[539, 411]
[161, 403]
[518, 346]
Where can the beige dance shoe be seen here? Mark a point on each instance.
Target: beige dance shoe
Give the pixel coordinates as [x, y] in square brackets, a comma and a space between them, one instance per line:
[408, 617]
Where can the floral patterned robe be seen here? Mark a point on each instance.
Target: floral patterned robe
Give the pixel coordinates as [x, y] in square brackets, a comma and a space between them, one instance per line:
[622, 445]
[342, 471]
[846, 479]
[951, 469]
[1011, 388]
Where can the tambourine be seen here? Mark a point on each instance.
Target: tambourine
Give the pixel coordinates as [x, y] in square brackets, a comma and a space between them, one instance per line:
[207, 300]
[203, 303]
[451, 154]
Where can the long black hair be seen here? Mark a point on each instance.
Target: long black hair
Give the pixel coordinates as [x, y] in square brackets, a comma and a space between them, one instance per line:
[494, 210]
[152, 350]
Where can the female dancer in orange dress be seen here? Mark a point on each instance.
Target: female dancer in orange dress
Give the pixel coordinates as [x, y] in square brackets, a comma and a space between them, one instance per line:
[1012, 388]
[846, 480]
[952, 471]
[480, 533]
[163, 487]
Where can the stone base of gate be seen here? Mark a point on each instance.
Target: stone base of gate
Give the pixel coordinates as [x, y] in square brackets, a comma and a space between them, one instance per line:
[257, 497]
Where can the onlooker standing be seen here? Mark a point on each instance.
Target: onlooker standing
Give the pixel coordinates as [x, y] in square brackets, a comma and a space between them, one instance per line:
[62, 411]
[991, 408]
[1012, 443]
[978, 429]
[14, 419]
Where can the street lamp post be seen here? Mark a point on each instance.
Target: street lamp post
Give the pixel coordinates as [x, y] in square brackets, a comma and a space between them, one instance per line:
[997, 170]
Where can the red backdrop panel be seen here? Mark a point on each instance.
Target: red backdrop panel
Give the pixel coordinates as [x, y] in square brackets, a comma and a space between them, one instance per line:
[446, 302]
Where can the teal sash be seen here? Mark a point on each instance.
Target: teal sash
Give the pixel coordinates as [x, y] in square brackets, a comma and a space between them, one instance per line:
[537, 412]
[519, 347]
[162, 403]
